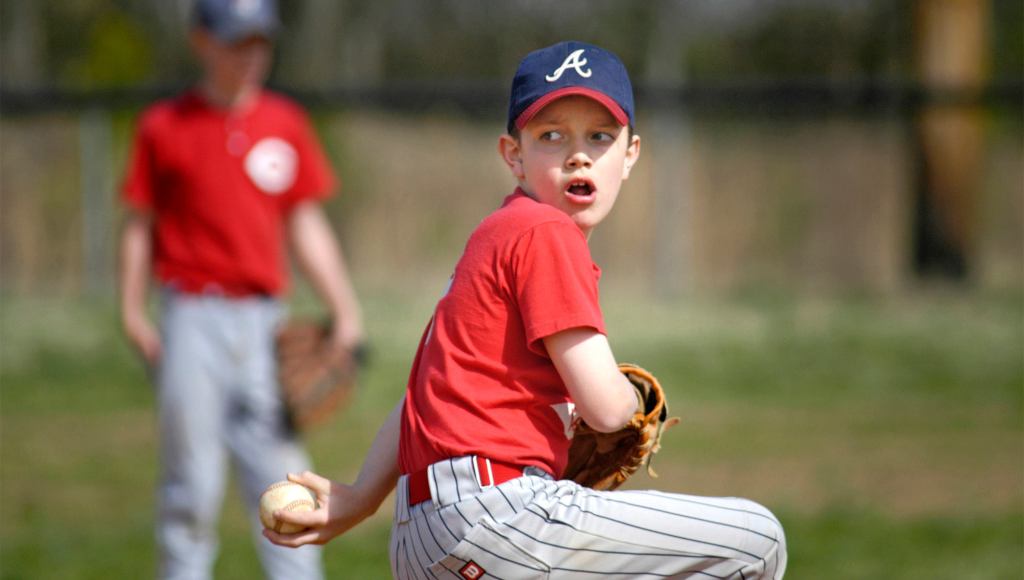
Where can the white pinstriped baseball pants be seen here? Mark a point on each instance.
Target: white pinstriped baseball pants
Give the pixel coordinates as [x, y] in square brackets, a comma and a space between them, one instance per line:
[536, 527]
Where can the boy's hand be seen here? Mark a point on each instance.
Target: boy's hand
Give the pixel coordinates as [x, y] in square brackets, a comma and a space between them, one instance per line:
[347, 337]
[605, 460]
[144, 337]
[317, 374]
[341, 508]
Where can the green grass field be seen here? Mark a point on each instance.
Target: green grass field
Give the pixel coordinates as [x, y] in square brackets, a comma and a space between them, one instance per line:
[887, 435]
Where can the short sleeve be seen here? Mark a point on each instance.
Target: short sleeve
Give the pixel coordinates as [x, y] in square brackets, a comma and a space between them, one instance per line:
[315, 179]
[555, 282]
[137, 190]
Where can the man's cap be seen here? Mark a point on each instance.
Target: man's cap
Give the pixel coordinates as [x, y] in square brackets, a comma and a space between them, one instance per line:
[234, 20]
[570, 68]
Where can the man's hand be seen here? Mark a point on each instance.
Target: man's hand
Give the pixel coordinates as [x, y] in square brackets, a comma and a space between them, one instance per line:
[341, 508]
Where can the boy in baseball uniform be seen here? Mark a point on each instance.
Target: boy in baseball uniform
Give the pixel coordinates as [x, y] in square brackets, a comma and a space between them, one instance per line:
[515, 352]
[220, 177]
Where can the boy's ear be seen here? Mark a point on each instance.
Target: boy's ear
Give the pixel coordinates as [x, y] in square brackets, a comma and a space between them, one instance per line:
[198, 40]
[511, 153]
[632, 156]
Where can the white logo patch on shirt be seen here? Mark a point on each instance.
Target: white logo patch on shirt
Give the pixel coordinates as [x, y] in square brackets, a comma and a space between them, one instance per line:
[272, 164]
[573, 61]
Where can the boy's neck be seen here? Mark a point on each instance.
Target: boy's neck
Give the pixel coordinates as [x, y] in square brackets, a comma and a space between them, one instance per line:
[525, 191]
[230, 97]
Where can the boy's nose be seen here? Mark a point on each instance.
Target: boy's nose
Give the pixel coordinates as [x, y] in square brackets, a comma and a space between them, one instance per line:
[578, 159]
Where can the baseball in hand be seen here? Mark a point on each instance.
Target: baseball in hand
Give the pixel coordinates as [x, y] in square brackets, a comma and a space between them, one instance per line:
[287, 496]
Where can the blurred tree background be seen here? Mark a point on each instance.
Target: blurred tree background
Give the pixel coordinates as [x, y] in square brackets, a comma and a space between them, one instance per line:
[94, 44]
[821, 251]
[791, 141]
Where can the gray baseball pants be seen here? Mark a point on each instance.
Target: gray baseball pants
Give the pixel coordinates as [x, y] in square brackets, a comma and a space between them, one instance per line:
[536, 527]
[219, 404]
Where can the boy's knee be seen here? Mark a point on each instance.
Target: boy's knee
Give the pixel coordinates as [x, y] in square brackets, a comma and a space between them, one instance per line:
[762, 516]
[773, 546]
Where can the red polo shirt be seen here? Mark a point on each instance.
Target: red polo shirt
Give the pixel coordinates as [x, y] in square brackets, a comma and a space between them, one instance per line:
[219, 183]
[482, 382]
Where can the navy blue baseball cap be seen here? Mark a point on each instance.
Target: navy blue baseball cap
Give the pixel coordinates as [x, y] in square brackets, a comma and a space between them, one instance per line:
[234, 20]
[570, 68]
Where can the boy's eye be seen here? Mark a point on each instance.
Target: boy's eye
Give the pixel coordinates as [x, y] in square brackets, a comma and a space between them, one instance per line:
[550, 136]
[602, 137]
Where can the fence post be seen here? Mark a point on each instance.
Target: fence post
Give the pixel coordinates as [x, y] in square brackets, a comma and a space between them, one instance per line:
[94, 144]
[952, 42]
[670, 136]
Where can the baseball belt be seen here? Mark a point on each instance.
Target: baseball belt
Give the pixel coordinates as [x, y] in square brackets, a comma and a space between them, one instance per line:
[492, 472]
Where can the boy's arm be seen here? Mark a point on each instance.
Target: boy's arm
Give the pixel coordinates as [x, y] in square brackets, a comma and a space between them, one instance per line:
[604, 398]
[136, 258]
[321, 259]
[343, 506]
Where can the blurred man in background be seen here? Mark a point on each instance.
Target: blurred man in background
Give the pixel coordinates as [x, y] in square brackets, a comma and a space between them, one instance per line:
[219, 177]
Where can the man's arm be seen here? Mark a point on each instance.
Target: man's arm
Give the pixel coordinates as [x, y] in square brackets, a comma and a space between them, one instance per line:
[604, 397]
[320, 257]
[343, 506]
[136, 258]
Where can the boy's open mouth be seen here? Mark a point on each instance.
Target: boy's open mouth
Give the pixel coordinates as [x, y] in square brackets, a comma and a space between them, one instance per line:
[580, 191]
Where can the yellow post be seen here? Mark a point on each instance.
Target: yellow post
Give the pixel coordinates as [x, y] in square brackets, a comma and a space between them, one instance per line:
[952, 42]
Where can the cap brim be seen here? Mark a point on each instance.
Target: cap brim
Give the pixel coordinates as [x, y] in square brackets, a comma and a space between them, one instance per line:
[608, 103]
[231, 34]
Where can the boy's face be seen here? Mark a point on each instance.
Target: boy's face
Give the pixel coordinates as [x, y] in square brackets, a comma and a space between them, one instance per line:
[233, 66]
[573, 155]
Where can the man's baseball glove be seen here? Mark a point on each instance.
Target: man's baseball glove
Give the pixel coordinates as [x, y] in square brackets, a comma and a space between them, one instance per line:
[604, 461]
[315, 380]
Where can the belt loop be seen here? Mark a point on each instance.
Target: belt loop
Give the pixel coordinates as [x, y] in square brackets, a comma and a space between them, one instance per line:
[432, 485]
[402, 500]
[485, 467]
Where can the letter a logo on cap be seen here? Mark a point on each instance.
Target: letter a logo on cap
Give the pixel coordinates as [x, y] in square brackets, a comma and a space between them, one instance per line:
[574, 61]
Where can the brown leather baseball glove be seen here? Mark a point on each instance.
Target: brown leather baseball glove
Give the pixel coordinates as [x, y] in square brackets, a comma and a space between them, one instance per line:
[315, 380]
[604, 461]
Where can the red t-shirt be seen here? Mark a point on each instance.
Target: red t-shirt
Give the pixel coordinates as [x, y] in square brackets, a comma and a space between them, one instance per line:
[482, 382]
[219, 183]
